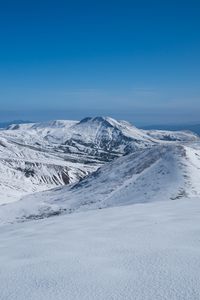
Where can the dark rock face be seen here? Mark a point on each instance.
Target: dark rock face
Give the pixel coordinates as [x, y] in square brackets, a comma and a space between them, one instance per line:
[57, 175]
[65, 177]
[85, 120]
[27, 172]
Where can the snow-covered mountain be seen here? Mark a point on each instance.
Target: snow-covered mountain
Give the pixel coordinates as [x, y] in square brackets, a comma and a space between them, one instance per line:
[39, 156]
[25, 168]
[162, 172]
[102, 253]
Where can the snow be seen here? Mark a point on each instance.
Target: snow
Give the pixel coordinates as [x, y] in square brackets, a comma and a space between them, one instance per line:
[38, 156]
[122, 222]
[166, 135]
[160, 173]
[24, 171]
[144, 251]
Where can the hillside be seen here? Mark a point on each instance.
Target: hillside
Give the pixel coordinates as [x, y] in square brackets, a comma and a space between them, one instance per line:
[143, 251]
[163, 172]
[39, 156]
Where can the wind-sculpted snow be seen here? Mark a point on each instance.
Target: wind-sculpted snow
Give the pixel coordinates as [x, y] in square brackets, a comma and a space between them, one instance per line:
[136, 252]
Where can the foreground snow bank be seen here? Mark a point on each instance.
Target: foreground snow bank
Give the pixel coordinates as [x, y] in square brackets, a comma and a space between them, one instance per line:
[143, 251]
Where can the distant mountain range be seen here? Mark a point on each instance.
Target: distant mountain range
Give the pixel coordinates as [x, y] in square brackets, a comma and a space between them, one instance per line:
[8, 123]
[195, 127]
[191, 127]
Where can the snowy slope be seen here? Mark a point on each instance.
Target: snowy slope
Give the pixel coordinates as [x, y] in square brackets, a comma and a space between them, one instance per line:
[40, 156]
[25, 169]
[137, 252]
[163, 172]
[166, 135]
[144, 245]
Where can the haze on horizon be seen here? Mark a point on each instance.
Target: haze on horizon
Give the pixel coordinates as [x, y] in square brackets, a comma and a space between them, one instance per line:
[133, 60]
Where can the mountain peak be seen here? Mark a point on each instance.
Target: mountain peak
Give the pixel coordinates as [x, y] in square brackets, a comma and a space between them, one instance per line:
[105, 121]
[98, 119]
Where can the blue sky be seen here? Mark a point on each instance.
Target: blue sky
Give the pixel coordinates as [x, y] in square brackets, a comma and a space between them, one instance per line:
[135, 60]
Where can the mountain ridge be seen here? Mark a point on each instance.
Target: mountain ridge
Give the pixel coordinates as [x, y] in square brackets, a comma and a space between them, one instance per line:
[40, 156]
[160, 173]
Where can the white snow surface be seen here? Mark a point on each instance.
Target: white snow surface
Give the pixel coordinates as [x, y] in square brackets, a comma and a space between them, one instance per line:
[137, 252]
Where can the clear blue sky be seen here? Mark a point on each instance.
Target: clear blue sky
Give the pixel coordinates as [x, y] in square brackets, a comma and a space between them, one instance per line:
[135, 60]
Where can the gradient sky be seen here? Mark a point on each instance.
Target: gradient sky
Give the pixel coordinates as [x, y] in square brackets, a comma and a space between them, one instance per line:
[134, 60]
